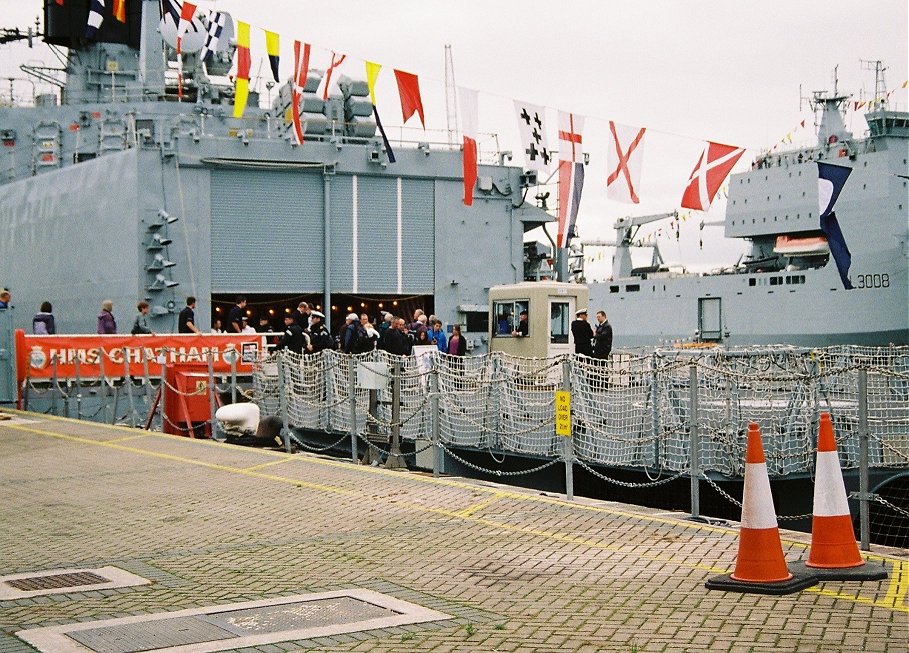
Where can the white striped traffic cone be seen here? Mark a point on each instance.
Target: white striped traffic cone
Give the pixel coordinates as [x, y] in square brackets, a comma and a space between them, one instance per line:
[834, 554]
[832, 539]
[760, 566]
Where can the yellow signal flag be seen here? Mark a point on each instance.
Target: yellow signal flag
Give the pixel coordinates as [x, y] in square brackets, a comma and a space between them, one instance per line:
[372, 73]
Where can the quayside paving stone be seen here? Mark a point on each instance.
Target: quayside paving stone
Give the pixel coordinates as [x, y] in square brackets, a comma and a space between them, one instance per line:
[212, 524]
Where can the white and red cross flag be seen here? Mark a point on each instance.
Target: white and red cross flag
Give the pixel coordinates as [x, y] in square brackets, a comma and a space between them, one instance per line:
[571, 173]
[532, 125]
[625, 159]
[711, 170]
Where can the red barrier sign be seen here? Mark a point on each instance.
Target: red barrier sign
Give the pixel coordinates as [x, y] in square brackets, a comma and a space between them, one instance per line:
[35, 354]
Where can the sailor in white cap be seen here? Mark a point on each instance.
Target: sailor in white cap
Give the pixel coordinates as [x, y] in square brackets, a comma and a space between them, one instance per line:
[319, 337]
[582, 333]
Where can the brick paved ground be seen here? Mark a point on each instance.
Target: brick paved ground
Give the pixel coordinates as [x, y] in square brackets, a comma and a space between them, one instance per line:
[519, 571]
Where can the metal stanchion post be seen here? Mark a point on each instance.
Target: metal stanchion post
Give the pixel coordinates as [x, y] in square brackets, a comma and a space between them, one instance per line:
[568, 441]
[128, 382]
[352, 395]
[282, 396]
[213, 425]
[78, 388]
[102, 383]
[694, 444]
[233, 378]
[395, 460]
[655, 407]
[55, 387]
[864, 494]
[436, 422]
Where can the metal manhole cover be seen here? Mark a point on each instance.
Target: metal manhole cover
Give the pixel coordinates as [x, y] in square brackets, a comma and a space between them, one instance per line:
[235, 626]
[292, 616]
[150, 635]
[57, 581]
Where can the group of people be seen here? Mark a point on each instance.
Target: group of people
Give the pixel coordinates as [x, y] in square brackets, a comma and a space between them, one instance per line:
[305, 332]
[107, 324]
[590, 341]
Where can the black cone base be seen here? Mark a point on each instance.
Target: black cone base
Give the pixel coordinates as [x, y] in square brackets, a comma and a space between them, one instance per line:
[797, 583]
[867, 571]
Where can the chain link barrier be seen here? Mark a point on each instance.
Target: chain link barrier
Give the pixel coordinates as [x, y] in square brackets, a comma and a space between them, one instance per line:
[626, 484]
[497, 472]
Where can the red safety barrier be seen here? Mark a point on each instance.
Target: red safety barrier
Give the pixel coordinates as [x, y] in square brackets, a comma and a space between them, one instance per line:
[187, 405]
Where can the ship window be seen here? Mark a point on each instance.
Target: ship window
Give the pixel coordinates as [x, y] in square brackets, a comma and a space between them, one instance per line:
[476, 321]
[613, 289]
[507, 315]
[776, 281]
[752, 282]
[632, 287]
[559, 322]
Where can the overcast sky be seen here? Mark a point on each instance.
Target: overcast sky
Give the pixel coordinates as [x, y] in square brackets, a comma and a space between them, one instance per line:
[688, 71]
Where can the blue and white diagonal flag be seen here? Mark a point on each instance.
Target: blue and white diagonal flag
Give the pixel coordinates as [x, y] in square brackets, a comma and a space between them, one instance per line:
[95, 18]
[216, 21]
[830, 181]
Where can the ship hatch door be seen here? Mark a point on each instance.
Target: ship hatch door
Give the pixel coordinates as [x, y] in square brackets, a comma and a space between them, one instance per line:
[710, 318]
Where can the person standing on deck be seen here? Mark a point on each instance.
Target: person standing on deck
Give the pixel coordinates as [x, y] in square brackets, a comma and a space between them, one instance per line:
[582, 333]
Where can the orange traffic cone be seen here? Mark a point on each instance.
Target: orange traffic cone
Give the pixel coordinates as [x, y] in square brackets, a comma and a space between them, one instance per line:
[760, 566]
[834, 554]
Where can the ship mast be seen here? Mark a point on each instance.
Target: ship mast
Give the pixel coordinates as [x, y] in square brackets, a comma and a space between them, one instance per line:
[879, 103]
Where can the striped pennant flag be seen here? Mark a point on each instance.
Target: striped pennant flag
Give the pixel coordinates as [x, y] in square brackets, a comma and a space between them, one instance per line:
[273, 48]
[301, 71]
[372, 73]
[95, 18]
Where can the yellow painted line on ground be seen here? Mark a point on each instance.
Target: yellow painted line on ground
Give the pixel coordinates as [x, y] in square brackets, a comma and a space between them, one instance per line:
[127, 438]
[498, 492]
[898, 590]
[166, 456]
[890, 602]
[470, 510]
[268, 464]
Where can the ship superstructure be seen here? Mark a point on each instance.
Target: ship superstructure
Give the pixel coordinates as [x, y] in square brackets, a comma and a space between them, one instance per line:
[115, 189]
[787, 289]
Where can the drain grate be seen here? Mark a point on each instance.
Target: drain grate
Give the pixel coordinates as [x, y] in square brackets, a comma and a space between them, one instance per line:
[130, 638]
[292, 616]
[34, 583]
[237, 625]
[65, 581]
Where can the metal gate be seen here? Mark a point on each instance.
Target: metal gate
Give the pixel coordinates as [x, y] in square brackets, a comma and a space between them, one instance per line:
[7, 358]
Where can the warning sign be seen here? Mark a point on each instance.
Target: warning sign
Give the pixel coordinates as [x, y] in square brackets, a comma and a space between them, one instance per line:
[563, 412]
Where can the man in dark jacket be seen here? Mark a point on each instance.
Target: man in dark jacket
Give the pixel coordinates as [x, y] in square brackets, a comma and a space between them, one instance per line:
[582, 333]
[397, 339]
[602, 339]
[292, 338]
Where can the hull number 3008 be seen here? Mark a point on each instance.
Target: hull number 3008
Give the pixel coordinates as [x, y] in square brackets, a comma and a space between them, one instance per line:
[872, 281]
